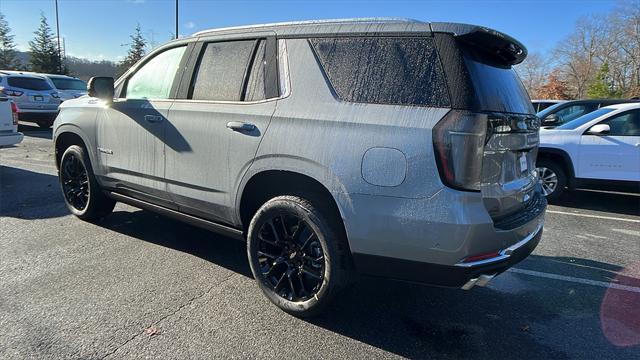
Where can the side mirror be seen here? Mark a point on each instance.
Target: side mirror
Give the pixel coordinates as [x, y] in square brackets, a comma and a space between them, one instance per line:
[101, 87]
[551, 120]
[599, 129]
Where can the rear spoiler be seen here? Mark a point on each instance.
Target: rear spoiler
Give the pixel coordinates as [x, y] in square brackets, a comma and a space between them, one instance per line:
[494, 44]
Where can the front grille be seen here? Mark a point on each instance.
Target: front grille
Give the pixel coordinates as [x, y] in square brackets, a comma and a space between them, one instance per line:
[532, 209]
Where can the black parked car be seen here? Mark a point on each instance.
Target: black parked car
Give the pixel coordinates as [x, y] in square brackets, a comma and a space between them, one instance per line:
[564, 112]
[539, 105]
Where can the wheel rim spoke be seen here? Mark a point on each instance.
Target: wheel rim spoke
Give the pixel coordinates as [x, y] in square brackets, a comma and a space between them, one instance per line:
[290, 256]
[75, 182]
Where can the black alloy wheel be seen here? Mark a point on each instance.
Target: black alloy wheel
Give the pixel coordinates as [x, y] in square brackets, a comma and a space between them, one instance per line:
[290, 257]
[75, 182]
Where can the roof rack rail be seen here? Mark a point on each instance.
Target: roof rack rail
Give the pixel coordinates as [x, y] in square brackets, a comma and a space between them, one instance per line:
[310, 22]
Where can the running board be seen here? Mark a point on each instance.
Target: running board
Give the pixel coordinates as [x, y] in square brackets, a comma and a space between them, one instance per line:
[189, 219]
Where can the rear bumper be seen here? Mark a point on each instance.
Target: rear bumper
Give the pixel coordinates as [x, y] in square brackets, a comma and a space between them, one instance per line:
[443, 275]
[11, 139]
[426, 240]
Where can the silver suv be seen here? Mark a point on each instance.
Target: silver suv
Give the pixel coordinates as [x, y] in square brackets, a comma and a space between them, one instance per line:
[36, 99]
[393, 148]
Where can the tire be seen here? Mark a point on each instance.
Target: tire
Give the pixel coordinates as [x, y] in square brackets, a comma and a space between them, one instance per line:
[286, 265]
[553, 179]
[44, 123]
[80, 190]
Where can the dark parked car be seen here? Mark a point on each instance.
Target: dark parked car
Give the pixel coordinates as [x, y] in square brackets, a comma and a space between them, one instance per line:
[539, 105]
[564, 112]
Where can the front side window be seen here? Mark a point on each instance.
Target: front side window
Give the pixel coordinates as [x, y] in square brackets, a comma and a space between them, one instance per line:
[221, 71]
[625, 124]
[155, 78]
[383, 70]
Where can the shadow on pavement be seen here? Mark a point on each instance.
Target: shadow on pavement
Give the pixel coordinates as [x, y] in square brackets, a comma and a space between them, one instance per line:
[508, 319]
[159, 230]
[33, 130]
[30, 195]
[626, 204]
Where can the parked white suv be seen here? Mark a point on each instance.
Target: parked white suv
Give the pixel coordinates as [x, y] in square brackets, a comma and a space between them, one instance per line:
[598, 150]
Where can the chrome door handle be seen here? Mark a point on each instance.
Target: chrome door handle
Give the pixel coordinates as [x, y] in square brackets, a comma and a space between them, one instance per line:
[240, 126]
[153, 118]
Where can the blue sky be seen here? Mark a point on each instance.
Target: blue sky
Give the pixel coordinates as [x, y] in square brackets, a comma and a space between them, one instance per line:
[97, 29]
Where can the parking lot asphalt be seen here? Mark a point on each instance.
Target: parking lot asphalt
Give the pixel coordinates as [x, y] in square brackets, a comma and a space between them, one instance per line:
[138, 285]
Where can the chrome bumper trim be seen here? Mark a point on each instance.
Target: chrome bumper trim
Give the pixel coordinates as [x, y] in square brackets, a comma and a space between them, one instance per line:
[505, 253]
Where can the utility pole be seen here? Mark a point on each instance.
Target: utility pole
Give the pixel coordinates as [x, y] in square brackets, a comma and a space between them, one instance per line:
[176, 18]
[58, 34]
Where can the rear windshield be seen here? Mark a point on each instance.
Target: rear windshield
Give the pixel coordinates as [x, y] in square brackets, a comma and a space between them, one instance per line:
[28, 83]
[69, 84]
[497, 88]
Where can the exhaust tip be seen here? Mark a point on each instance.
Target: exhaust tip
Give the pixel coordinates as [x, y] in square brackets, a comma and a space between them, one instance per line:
[481, 281]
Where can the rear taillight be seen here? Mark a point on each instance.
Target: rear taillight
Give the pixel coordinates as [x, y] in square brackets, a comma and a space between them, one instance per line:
[459, 141]
[14, 113]
[11, 92]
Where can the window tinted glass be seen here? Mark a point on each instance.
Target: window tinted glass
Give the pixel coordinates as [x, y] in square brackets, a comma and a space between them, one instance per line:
[497, 88]
[155, 78]
[221, 71]
[543, 114]
[394, 70]
[572, 112]
[584, 119]
[625, 124]
[28, 83]
[69, 84]
[255, 84]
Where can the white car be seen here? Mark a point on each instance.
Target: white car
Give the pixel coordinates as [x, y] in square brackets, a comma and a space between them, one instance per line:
[598, 150]
[68, 87]
[9, 134]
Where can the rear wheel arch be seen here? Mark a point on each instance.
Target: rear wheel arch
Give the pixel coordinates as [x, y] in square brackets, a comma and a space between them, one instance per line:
[265, 185]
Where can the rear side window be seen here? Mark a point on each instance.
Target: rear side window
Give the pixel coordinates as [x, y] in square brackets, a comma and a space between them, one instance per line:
[28, 83]
[255, 84]
[221, 71]
[383, 70]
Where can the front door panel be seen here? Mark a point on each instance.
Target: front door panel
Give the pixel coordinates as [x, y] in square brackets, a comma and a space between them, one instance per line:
[130, 137]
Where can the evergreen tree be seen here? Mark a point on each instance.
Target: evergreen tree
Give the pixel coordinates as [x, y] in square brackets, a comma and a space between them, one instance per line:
[602, 86]
[136, 50]
[8, 59]
[44, 52]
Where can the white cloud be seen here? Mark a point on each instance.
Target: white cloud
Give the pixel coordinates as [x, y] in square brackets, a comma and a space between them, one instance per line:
[189, 25]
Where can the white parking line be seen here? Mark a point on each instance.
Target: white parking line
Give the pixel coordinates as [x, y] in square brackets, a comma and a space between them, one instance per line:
[593, 216]
[575, 280]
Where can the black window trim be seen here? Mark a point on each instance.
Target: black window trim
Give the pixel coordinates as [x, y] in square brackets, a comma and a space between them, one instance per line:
[271, 77]
[121, 88]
